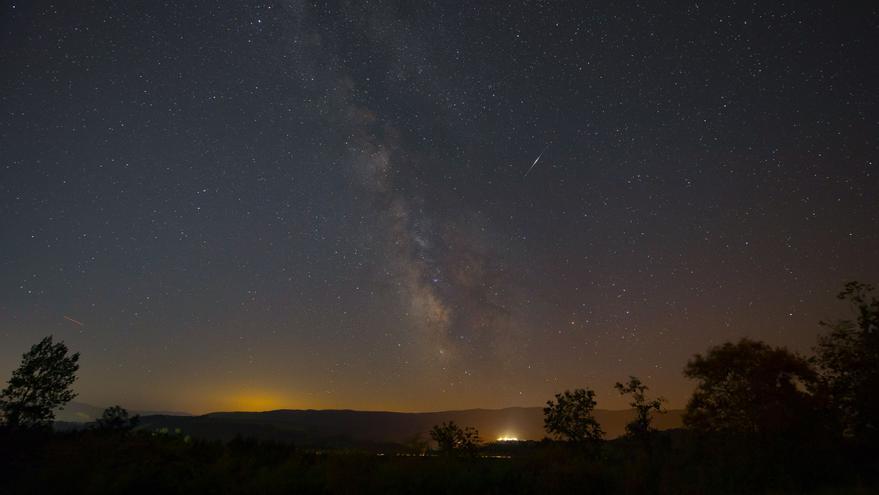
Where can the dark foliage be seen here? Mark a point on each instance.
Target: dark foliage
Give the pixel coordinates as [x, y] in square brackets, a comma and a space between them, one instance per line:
[751, 388]
[570, 416]
[681, 462]
[40, 385]
[641, 427]
[848, 361]
[452, 439]
[116, 418]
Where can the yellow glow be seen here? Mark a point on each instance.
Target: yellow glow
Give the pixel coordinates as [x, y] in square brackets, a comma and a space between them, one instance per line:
[255, 402]
[507, 438]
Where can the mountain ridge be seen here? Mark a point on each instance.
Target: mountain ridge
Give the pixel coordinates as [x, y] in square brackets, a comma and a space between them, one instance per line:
[319, 426]
[355, 427]
[81, 412]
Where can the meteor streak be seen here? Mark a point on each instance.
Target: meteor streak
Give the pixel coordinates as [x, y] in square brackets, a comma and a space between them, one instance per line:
[535, 161]
[74, 321]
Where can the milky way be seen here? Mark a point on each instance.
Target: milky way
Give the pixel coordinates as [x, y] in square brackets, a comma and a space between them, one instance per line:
[296, 204]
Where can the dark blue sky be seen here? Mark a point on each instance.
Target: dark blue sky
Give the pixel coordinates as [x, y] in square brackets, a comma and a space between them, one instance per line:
[295, 204]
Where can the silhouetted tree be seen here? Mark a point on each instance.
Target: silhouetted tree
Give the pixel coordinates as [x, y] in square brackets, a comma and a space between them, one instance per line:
[570, 416]
[750, 387]
[848, 361]
[40, 385]
[641, 426]
[453, 439]
[116, 418]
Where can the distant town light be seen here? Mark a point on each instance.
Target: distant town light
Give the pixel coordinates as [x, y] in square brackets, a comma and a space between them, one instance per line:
[507, 439]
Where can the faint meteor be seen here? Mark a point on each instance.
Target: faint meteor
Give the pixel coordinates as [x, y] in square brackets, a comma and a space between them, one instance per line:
[535, 161]
[74, 321]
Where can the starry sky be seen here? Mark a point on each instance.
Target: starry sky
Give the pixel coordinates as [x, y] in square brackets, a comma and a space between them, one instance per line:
[238, 205]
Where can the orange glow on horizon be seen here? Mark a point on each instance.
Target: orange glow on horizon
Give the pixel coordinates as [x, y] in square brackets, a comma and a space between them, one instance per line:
[255, 401]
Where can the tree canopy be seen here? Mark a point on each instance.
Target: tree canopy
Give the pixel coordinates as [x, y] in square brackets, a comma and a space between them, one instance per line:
[40, 385]
[848, 360]
[116, 418]
[644, 408]
[451, 438]
[749, 387]
[570, 416]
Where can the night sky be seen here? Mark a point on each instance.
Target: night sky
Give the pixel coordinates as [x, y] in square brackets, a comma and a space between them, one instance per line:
[303, 205]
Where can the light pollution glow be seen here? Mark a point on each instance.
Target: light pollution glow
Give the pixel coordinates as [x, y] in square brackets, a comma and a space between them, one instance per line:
[254, 400]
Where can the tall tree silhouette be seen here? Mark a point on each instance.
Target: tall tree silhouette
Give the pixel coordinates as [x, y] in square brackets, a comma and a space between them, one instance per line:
[750, 387]
[40, 385]
[848, 360]
[570, 416]
[641, 426]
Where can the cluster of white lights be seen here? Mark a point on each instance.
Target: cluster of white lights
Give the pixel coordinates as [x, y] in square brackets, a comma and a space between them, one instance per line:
[507, 439]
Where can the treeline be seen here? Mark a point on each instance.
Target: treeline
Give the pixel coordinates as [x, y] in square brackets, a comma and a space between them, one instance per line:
[761, 419]
[751, 389]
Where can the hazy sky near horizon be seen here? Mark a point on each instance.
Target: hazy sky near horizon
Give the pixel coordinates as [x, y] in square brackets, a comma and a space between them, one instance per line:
[426, 205]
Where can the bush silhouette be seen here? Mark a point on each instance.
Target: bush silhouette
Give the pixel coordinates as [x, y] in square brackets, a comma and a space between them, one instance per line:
[116, 418]
[453, 439]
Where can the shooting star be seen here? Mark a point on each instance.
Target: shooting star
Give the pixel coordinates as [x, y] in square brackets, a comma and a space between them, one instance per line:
[74, 321]
[535, 161]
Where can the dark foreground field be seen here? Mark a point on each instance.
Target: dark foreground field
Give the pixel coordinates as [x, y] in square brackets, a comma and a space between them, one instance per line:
[676, 462]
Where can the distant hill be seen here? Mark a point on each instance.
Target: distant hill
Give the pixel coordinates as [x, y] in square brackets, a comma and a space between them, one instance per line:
[79, 412]
[346, 427]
